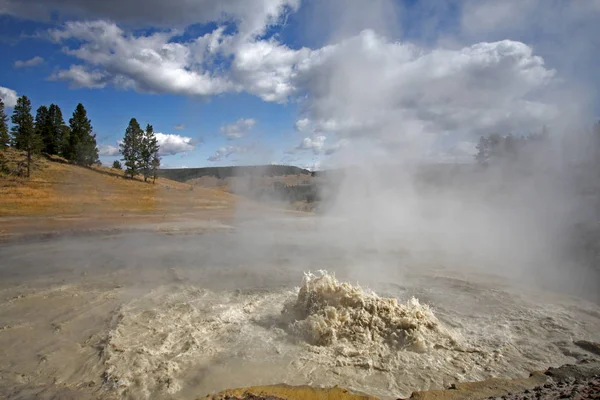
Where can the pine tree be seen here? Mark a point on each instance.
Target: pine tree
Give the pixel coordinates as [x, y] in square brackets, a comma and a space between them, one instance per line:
[131, 148]
[148, 152]
[4, 135]
[117, 164]
[65, 136]
[82, 142]
[42, 127]
[55, 140]
[23, 130]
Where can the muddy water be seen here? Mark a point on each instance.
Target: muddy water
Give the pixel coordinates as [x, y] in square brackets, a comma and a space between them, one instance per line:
[157, 315]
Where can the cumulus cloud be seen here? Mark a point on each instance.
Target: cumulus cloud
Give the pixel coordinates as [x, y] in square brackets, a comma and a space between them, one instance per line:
[108, 150]
[37, 60]
[510, 16]
[226, 151]
[171, 144]
[79, 76]
[238, 129]
[565, 33]
[150, 63]
[389, 88]
[316, 144]
[397, 93]
[8, 96]
[156, 63]
[361, 84]
[302, 125]
[251, 16]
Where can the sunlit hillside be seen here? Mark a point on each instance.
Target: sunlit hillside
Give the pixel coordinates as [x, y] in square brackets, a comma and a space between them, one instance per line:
[57, 188]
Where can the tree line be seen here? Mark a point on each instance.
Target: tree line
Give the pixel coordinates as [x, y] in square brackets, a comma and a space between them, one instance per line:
[48, 133]
[496, 148]
[185, 174]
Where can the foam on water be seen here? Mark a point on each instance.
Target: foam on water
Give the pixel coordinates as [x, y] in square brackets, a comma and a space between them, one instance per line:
[327, 312]
[159, 336]
[181, 341]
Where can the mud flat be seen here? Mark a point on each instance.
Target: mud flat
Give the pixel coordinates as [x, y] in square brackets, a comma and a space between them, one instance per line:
[193, 309]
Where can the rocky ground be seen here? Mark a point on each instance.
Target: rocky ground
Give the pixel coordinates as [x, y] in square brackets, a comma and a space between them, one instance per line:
[580, 381]
[568, 382]
[570, 389]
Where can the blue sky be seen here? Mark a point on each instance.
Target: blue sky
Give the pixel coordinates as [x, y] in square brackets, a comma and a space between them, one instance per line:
[306, 82]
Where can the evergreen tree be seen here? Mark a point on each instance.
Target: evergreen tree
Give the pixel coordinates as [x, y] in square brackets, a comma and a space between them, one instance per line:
[483, 151]
[23, 130]
[82, 142]
[131, 148]
[117, 164]
[4, 135]
[42, 127]
[65, 136]
[148, 151]
[54, 141]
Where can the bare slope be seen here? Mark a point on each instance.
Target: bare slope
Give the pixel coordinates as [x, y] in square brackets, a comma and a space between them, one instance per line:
[60, 190]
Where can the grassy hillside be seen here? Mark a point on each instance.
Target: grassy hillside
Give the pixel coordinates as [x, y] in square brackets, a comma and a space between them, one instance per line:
[59, 188]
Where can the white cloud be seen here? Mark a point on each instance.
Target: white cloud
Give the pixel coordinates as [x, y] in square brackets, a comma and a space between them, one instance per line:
[171, 144]
[268, 69]
[302, 125]
[316, 144]
[365, 85]
[251, 16]
[79, 76]
[395, 92]
[179, 127]
[37, 60]
[238, 129]
[8, 96]
[510, 16]
[565, 33]
[150, 63]
[108, 150]
[155, 63]
[226, 151]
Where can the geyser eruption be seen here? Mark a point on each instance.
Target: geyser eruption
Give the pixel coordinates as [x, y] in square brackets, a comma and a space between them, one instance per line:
[327, 312]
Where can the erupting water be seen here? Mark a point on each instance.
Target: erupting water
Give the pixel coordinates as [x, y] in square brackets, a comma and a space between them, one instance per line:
[183, 341]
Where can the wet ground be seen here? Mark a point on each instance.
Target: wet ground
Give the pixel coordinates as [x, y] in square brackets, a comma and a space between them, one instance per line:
[183, 310]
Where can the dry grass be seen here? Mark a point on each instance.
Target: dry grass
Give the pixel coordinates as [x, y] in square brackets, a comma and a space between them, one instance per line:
[60, 189]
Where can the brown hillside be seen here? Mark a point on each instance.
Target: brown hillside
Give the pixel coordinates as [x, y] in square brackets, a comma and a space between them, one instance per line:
[61, 191]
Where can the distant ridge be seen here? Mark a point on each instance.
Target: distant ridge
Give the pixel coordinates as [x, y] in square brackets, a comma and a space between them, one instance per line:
[185, 174]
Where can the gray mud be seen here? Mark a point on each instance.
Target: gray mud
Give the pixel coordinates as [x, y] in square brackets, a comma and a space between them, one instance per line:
[180, 314]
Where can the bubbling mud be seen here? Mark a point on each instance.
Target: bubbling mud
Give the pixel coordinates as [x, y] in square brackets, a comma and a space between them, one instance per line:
[327, 312]
[160, 336]
[173, 329]
[180, 341]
